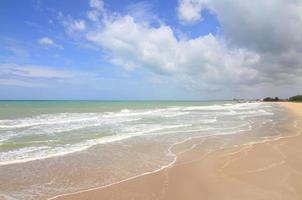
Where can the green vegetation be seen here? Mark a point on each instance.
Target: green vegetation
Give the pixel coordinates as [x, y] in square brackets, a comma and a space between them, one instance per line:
[271, 99]
[296, 98]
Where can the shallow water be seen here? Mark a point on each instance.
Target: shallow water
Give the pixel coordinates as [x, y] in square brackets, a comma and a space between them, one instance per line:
[93, 144]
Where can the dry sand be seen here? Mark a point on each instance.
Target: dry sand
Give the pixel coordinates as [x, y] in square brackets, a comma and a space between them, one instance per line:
[270, 170]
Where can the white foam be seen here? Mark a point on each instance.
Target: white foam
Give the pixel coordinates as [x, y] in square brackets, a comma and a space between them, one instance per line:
[36, 153]
[198, 108]
[120, 125]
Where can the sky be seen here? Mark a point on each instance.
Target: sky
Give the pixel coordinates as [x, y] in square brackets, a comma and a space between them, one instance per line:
[150, 50]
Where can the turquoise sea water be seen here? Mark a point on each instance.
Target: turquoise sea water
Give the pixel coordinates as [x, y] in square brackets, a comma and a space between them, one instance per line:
[35, 129]
[44, 145]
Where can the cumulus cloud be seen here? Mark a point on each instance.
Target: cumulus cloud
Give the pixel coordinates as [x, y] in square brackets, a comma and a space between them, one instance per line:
[266, 26]
[97, 4]
[204, 62]
[272, 28]
[45, 41]
[77, 25]
[189, 11]
[260, 45]
[71, 25]
[97, 10]
[207, 58]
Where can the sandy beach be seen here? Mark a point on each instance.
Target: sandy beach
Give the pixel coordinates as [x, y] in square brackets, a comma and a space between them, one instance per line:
[271, 169]
[151, 100]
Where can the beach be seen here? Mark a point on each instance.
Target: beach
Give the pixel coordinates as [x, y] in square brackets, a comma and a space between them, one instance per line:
[151, 100]
[149, 150]
[267, 169]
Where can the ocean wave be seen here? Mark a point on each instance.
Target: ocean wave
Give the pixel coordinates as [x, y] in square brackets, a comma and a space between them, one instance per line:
[64, 133]
[41, 152]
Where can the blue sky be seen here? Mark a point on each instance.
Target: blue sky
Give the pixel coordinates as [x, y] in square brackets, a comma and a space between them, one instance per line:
[112, 49]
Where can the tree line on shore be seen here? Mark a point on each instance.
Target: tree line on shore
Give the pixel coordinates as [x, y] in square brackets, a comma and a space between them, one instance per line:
[297, 98]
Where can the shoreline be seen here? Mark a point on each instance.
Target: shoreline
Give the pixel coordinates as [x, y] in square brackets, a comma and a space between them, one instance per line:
[221, 178]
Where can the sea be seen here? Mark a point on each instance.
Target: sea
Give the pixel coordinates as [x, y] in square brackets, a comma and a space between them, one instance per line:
[52, 148]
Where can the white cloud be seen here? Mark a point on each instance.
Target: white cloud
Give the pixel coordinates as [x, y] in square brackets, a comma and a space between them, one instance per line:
[19, 83]
[93, 15]
[39, 76]
[272, 28]
[77, 25]
[33, 71]
[254, 50]
[206, 59]
[270, 25]
[45, 41]
[189, 11]
[72, 26]
[97, 4]
[97, 10]
[32, 75]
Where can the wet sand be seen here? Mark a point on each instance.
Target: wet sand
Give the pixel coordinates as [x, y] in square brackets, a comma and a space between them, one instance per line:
[265, 170]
